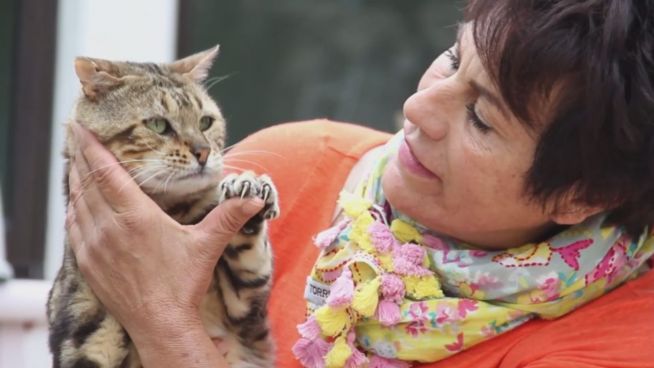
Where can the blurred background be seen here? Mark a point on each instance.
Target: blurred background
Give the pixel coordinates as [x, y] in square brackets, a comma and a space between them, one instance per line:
[282, 60]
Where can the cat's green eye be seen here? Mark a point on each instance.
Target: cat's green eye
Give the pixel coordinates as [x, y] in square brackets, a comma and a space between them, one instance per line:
[206, 122]
[158, 125]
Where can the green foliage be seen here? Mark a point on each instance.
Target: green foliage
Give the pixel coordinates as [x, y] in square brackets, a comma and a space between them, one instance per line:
[346, 60]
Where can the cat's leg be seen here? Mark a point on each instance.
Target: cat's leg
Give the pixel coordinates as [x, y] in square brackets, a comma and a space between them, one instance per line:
[244, 276]
[82, 333]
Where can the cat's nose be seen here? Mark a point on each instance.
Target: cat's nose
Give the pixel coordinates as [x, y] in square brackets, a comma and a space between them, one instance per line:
[201, 153]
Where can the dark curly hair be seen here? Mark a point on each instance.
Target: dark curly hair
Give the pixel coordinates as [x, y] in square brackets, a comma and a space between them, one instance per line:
[595, 60]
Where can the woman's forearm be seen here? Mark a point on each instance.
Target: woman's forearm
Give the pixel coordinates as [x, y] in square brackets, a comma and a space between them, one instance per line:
[176, 344]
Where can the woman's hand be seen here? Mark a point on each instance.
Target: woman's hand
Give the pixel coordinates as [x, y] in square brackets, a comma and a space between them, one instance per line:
[148, 270]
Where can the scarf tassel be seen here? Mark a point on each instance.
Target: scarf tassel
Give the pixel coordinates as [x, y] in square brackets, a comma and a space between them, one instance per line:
[327, 237]
[382, 237]
[388, 313]
[357, 359]
[332, 321]
[311, 352]
[342, 290]
[339, 354]
[310, 329]
[423, 287]
[366, 297]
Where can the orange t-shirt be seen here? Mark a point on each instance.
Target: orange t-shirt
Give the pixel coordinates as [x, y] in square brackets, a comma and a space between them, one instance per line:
[309, 162]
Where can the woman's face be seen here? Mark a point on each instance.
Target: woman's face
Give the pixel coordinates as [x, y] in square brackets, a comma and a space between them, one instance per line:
[461, 170]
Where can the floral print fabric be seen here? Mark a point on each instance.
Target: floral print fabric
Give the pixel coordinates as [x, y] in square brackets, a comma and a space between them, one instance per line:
[452, 295]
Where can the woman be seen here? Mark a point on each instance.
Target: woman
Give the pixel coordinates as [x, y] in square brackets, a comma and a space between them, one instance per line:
[537, 124]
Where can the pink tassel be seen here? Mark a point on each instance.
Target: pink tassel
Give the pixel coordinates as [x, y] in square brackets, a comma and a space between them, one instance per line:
[310, 329]
[388, 313]
[358, 358]
[381, 237]
[379, 362]
[342, 290]
[311, 352]
[325, 238]
[392, 288]
[406, 268]
[413, 253]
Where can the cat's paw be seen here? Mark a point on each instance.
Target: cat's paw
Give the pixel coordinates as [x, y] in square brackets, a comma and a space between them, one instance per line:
[247, 184]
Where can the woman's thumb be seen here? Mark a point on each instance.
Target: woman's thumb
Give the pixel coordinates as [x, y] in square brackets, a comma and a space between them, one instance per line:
[221, 224]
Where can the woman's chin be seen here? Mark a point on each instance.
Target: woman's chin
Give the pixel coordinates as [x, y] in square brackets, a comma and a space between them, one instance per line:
[410, 198]
[398, 182]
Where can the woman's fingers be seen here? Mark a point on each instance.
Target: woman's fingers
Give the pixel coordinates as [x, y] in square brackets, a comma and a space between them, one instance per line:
[223, 222]
[75, 237]
[78, 209]
[105, 175]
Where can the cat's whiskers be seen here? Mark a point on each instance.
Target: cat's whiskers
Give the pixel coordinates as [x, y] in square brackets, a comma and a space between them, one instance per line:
[164, 183]
[136, 176]
[222, 151]
[215, 80]
[248, 162]
[240, 169]
[167, 182]
[157, 173]
[229, 154]
[119, 163]
[86, 181]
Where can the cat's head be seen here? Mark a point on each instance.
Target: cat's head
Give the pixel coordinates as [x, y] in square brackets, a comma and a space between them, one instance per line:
[157, 119]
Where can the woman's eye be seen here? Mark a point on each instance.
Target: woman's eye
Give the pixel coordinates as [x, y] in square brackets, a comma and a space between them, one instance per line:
[206, 122]
[455, 62]
[158, 125]
[476, 121]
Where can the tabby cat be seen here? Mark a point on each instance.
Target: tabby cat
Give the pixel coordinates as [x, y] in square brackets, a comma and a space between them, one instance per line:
[163, 127]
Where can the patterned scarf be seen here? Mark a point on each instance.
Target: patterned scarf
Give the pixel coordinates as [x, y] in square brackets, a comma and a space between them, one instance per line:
[386, 291]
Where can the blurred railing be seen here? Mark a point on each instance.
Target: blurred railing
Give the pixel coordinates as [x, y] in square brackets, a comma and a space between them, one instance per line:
[23, 328]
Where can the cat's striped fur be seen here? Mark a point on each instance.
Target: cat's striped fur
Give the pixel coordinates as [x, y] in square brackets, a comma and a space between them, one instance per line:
[180, 167]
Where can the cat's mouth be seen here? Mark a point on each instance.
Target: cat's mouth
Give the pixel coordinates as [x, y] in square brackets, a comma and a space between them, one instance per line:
[196, 174]
[181, 183]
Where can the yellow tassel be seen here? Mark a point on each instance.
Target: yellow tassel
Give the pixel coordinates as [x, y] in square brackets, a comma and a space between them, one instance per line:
[340, 353]
[359, 234]
[332, 321]
[386, 261]
[423, 287]
[366, 297]
[353, 205]
[404, 232]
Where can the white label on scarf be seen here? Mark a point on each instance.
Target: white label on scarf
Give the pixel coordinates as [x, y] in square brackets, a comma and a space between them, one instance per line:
[316, 292]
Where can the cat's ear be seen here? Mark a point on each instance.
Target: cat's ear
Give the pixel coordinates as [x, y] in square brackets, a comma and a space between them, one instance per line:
[197, 65]
[97, 76]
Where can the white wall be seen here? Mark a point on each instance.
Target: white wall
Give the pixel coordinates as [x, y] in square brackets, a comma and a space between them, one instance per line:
[136, 30]
[143, 30]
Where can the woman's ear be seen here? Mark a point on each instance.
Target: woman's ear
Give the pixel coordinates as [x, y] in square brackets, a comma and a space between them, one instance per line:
[97, 76]
[572, 213]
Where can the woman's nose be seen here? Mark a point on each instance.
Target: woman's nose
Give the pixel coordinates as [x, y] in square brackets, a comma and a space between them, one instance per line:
[428, 110]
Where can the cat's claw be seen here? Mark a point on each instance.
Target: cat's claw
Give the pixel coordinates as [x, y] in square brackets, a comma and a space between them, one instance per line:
[245, 189]
[247, 184]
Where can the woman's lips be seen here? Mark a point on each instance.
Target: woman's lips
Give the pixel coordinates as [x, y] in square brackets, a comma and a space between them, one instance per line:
[411, 163]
